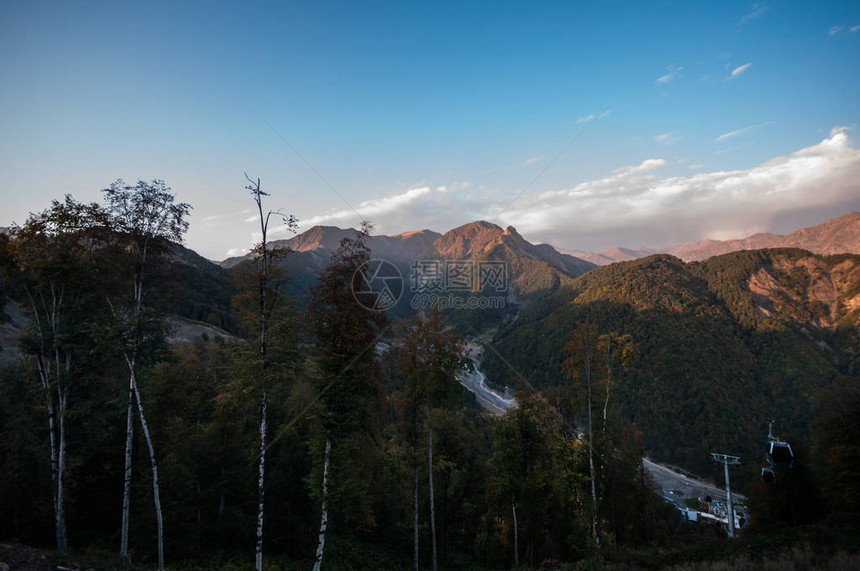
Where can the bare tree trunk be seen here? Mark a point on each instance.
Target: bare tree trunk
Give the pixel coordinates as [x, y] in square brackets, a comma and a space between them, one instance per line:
[62, 542]
[261, 481]
[48, 367]
[516, 535]
[55, 460]
[324, 517]
[432, 502]
[606, 400]
[415, 500]
[126, 494]
[595, 532]
[155, 494]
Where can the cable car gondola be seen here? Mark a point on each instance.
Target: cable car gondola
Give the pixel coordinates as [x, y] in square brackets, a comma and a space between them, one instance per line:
[767, 476]
[780, 453]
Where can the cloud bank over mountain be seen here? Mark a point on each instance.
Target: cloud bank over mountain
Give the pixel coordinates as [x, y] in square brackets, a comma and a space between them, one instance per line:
[635, 205]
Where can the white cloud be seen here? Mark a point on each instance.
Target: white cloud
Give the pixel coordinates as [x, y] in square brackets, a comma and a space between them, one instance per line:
[236, 252]
[756, 11]
[732, 149]
[737, 132]
[592, 117]
[696, 166]
[666, 210]
[739, 70]
[634, 204]
[836, 30]
[371, 209]
[667, 138]
[644, 166]
[531, 161]
[672, 73]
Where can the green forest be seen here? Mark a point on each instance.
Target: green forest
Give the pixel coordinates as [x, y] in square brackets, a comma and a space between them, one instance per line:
[321, 434]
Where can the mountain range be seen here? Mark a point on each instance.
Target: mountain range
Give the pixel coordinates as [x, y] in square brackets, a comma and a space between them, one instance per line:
[835, 236]
[530, 267]
[723, 343]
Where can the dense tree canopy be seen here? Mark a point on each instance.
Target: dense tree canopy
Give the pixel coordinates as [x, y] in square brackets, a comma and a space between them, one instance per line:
[376, 457]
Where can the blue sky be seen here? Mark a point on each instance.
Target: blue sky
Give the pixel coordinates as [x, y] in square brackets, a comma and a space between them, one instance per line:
[690, 120]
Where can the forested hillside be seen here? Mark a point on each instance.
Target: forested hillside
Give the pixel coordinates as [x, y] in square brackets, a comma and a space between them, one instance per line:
[723, 345]
[319, 434]
[318, 431]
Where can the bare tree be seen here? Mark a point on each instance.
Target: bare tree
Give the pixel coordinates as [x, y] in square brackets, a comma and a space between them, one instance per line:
[268, 297]
[144, 220]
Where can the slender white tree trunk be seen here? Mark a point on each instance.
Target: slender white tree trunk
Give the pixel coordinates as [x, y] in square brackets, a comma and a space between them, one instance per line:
[415, 501]
[595, 532]
[55, 460]
[155, 493]
[516, 535]
[62, 542]
[432, 501]
[261, 481]
[606, 400]
[49, 366]
[126, 494]
[324, 518]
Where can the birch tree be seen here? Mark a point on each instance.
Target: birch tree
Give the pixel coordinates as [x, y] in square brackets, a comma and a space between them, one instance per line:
[590, 355]
[433, 357]
[145, 220]
[51, 250]
[349, 389]
[262, 301]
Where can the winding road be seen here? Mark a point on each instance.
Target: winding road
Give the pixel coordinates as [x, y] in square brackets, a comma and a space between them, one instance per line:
[673, 484]
[496, 403]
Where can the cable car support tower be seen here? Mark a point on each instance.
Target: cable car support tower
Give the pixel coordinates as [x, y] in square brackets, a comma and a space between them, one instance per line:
[727, 461]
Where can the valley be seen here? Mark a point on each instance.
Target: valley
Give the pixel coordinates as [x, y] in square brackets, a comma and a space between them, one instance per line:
[715, 348]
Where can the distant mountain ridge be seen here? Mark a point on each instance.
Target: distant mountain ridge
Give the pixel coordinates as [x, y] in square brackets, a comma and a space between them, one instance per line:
[836, 236]
[531, 267]
[324, 240]
[481, 239]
